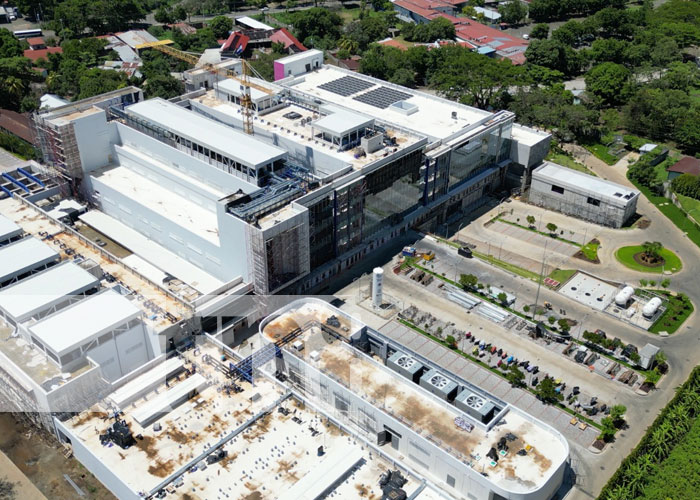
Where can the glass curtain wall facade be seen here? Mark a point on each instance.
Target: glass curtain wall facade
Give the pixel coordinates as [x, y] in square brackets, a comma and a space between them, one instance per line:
[479, 153]
[393, 191]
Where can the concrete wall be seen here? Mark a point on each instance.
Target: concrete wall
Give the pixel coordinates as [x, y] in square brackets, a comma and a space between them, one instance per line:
[297, 153]
[576, 204]
[95, 138]
[122, 354]
[92, 463]
[297, 64]
[183, 162]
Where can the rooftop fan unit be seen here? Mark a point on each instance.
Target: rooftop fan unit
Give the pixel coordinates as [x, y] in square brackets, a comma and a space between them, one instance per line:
[476, 406]
[439, 381]
[439, 384]
[406, 365]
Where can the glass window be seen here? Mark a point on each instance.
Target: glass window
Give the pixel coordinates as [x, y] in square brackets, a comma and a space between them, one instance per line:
[557, 189]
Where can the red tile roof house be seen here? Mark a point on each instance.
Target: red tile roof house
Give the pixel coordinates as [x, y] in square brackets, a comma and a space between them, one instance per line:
[38, 49]
[686, 165]
[467, 30]
[291, 44]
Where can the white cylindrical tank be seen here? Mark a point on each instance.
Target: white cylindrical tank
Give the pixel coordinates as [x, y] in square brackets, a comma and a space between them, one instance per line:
[624, 296]
[377, 276]
[651, 307]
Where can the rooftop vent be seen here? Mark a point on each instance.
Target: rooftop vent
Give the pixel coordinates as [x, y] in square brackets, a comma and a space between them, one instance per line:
[406, 365]
[475, 405]
[439, 384]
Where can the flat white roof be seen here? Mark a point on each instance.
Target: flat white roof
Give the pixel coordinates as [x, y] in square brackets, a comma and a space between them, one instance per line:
[528, 136]
[234, 87]
[300, 56]
[183, 212]
[152, 252]
[342, 122]
[44, 290]
[24, 255]
[144, 383]
[580, 182]
[252, 23]
[67, 329]
[8, 229]
[433, 117]
[165, 401]
[221, 138]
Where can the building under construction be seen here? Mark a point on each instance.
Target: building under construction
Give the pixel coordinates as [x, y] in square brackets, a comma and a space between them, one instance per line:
[338, 164]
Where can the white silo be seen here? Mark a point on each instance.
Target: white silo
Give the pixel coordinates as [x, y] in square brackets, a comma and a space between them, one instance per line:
[377, 276]
[651, 307]
[623, 297]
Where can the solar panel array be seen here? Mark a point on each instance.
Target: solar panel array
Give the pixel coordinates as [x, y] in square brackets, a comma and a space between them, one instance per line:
[382, 97]
[346, 86]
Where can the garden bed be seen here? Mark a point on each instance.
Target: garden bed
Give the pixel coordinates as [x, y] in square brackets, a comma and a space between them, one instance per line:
[628, 256]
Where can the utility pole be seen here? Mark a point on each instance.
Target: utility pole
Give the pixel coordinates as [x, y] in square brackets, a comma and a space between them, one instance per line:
[539, 282]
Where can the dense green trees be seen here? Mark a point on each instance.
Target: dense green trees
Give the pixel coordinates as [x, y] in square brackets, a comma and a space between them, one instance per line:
[221, 26]
[437, 29]
[317, 27]
[9, 45]
[554, 54]
[540, 31]
[609, 82]
[548, 10]
[513, 12]
[97, 16]
[687, 185]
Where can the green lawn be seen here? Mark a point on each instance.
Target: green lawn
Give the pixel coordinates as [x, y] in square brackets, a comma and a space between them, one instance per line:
[562, 275]
[690, 205]
[626, 256]
[600, 151]
[590, 251]
[677, 311]
[528, 228]
[671, 211]
[567, 161]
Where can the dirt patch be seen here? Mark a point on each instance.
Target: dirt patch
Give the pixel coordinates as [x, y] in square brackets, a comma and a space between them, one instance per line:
[260, 428]
[161, 469]
[643, 223]
[229, 458]
[256, 495]
[148, 446]
[39, 457]
[88, 416]
[641, 259]
[364, 491]
[180, 437]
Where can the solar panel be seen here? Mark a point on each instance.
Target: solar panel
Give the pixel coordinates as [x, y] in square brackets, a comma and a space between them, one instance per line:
[382, 97]
[346, 86]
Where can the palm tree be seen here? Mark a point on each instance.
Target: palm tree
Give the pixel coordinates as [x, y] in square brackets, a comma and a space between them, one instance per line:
[14, 85]
[347, 43]
[652, 250]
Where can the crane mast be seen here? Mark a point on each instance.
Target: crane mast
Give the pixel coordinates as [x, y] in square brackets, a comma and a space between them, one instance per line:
[244, 79]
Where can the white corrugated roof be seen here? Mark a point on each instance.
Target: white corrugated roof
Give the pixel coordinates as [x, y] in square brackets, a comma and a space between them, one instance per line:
[165, 401]
[8, 229]
[144, 383]
[152, 252]
[252, 23]
[24, 255]
[214, 135]
[71, 327]
[342, 122]
[41, 291]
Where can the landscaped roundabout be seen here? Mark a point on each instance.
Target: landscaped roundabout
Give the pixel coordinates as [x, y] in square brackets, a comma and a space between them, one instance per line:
[649, 257]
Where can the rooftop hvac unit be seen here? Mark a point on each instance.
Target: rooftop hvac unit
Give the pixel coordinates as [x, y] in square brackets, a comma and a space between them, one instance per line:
[475, 406]
[438, 384]
[406, 365]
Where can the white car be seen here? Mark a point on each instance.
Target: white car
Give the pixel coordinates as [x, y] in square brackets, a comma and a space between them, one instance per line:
[526, 36]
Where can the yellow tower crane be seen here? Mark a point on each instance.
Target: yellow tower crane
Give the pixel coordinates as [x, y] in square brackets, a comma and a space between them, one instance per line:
[244, 79]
